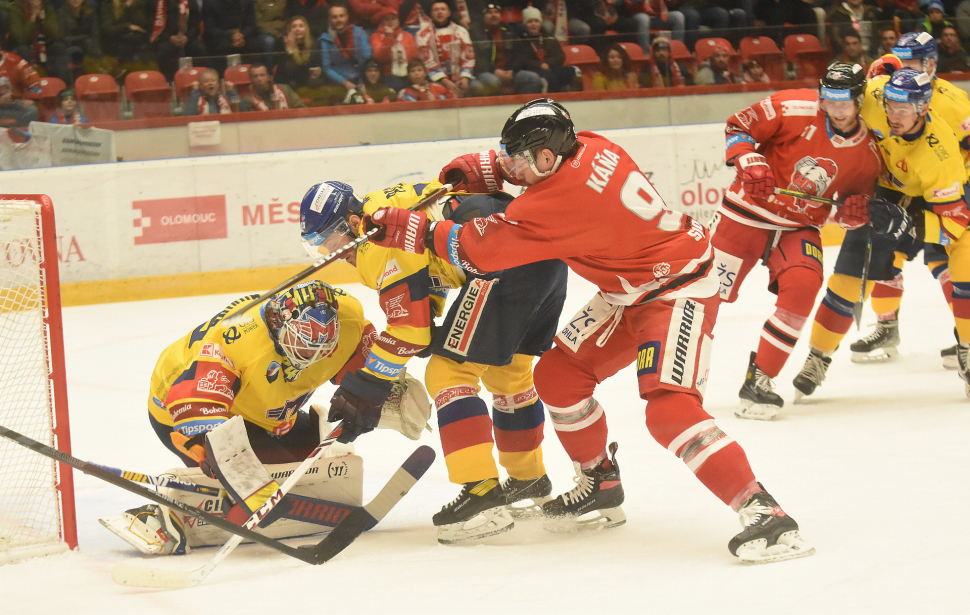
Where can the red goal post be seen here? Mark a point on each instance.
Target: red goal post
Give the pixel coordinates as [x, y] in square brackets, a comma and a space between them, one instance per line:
[36, 494]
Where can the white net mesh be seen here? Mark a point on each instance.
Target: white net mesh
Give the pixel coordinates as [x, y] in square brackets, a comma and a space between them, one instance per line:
[30, 513]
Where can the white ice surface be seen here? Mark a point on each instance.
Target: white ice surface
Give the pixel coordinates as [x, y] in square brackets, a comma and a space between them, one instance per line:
[874, 468]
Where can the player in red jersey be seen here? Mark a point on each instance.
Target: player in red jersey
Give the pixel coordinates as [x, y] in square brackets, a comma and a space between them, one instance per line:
[809, 142]
[656, 306]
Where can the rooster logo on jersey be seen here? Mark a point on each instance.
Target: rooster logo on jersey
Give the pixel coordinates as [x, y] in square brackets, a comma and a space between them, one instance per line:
[812, 176]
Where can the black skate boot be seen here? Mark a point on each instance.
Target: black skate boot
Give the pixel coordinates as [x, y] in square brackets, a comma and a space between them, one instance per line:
[949, 355]
[758, 400]
[598, 493]
[812, 374]
[525, 497]
[878, 346]
[769, 534]
[963, 357]
[477, 512]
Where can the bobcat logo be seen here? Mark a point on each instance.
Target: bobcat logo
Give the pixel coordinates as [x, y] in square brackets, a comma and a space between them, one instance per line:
[216, 382]
[812, 176]
[394, 308]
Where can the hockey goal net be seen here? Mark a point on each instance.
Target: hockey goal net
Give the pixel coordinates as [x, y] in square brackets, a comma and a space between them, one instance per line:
[36, 493]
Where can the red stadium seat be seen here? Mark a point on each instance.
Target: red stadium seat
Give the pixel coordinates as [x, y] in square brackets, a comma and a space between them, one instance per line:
[807, 54]
[149, 93]
[766, 52]
[585, 59]
[637, 58]
[184, 78]
[47, 100]
[100, 97]
[238, 76]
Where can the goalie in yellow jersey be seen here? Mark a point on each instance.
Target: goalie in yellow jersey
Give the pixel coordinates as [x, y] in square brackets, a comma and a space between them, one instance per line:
[489, 337]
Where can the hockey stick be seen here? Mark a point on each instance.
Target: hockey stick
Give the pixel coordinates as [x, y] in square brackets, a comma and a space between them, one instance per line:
[807, 197]
[858, 305]
[337, 540]
[235, 316]
[161, 481]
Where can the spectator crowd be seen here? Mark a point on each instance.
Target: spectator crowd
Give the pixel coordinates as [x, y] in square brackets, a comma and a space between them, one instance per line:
[328, 52]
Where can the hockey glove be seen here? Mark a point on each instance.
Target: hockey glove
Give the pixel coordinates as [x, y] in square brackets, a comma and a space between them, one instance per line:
[755, 175]
[476, 173]
[886, 65]
[402, 229]
[888, 219]
[854, 212]
[358, 402]
[954, 211]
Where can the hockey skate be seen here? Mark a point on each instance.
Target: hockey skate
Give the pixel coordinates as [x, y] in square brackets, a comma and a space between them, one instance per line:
[593, 504]
[477, 512]
[878, 346]
[758, 399]
[769, 534]
[526, 497]
[963, 357]
[812, 374]
[949, 355]
[151, 529]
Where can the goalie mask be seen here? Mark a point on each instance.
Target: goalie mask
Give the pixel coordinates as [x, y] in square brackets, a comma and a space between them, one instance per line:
[323, 217]
[303, 323]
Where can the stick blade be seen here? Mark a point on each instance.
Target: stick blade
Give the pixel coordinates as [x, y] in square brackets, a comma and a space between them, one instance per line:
[134, 575]
[857, 314]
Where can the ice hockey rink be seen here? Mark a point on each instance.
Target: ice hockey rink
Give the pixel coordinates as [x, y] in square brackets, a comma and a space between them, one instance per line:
[874, 467]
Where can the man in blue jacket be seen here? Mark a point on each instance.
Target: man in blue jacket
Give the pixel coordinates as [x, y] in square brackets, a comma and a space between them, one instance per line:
[345, 49]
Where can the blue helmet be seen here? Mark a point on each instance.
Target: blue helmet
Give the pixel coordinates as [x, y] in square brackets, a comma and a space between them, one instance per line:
[917, 46]
[909, 85]
[323, 212]
[303, 323]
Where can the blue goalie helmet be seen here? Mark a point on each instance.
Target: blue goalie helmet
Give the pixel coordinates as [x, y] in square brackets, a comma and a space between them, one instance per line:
[323, 216]
[908, 85]
[303, 323]
[917, 46]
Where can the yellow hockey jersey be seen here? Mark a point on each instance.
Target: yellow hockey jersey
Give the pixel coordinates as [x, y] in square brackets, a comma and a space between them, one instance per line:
[412, 287]
[216, 372]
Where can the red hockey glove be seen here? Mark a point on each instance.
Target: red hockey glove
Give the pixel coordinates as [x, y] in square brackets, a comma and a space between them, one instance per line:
[402, 229]
[476, 173]
[854, 212]
[886, 65]
[755, 174]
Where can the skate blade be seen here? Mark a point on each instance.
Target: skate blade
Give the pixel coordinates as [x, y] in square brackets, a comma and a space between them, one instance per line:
[790, 545]
[529, 508]
[602, 519]
[951, 363]
[759, 412]
[486, 523]
[798, 396]
[887, 354]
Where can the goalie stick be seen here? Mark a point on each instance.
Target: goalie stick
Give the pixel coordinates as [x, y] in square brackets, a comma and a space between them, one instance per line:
[161, 481]
[236, 316]
[336, 541]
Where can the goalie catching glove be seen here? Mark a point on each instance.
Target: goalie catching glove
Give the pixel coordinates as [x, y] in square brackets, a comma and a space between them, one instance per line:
[755, 175]
[364, 402]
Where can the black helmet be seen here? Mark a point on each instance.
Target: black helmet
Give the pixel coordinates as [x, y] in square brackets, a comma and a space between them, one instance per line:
[843, 81]
[542, 123]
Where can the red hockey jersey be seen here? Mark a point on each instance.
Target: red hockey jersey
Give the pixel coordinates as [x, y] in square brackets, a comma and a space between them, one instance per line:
[600, 215]
[804, 154]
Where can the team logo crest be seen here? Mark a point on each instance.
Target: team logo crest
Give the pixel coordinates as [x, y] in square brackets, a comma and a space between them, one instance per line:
[812, 176]
[272, 372]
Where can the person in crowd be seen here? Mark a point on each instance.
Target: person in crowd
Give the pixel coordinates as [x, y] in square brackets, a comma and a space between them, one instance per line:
[664, 72]
[393, 47]
[299, 62]
[935, 19]
[419, 88]
[17, 77]
[541, 54]
[447, 50]
[372, 88]
[615, 72]
[723, 22]
[68, 111]
[852, 16]
[314, 12]
[345, 49]
[367, 13]
[753, 72]
[176, 33]
[953, 57]
[35, 35]
[271, 18]
[654, 15]
[230, 28]
[852, 51]
[82, 37]
[887, 39]
[205, 97]
[715, 70]
[266, 95]
[125, 30]
[909, 13]
[493, 47]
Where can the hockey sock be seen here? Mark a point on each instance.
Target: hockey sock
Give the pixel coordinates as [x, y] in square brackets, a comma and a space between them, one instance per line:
[941, 271]
[834, 316]
[797, 288]
[466, 434]
[581, 428]
[887, 296]
[961, 309]
[678, 422]
[518, 421]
